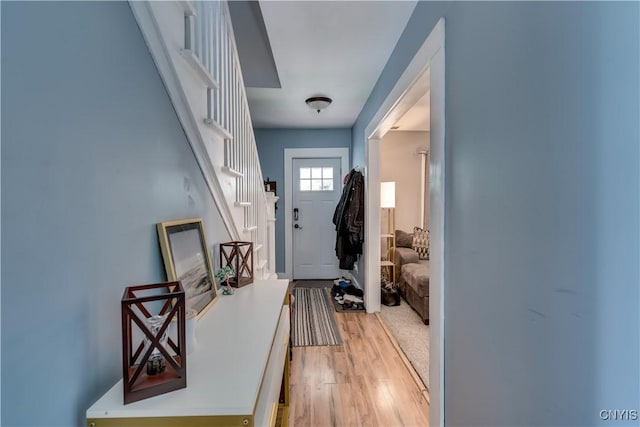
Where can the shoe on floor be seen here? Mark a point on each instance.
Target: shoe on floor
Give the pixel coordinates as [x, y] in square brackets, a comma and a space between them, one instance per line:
[352, 290]
[352, 298]
[336, 289]
[342, 282]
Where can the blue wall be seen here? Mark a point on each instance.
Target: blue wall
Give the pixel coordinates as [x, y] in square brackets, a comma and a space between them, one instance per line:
[93, 156]
[271, 144]
[542, 223]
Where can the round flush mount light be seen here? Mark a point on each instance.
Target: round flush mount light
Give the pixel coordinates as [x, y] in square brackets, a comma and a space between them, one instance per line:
[318, 103]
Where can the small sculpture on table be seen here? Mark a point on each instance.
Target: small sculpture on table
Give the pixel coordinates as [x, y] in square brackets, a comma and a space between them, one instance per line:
[223, 276]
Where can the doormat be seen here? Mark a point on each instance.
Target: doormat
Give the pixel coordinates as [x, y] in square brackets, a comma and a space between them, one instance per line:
[343, 308]
[313, 322]
[312, 283]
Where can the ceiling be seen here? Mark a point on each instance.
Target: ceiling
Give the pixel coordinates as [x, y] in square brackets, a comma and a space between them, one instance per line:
[308, 48]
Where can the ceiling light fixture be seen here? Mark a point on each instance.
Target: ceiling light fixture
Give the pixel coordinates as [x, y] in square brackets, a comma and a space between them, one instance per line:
[318, 103]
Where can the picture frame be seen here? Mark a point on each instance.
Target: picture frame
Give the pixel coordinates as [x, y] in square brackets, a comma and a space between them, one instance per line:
[186, 259]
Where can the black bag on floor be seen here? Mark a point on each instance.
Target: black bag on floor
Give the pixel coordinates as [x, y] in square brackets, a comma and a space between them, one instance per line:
[389, 296]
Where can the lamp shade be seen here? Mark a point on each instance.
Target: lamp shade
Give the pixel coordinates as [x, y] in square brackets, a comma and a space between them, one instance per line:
[388, 194]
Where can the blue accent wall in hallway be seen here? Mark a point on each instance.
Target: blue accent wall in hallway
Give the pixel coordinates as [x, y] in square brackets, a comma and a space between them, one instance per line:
[271, 145]
[542, 236]
[93, 156]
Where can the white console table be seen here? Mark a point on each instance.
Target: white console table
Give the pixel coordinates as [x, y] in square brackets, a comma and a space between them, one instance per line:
[234, 375]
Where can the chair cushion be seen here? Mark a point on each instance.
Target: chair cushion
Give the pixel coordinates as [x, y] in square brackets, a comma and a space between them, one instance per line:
[405, 256]
[417, 276]
[403, 239]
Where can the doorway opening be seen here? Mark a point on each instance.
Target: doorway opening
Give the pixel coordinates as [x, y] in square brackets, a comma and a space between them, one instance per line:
[404, 237]
[424, 73]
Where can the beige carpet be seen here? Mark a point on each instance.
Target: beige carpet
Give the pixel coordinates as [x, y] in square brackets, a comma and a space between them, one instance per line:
[412, 336]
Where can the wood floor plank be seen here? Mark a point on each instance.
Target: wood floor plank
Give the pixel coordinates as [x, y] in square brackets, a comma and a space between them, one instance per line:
[342, 399]
[322, 413]
[342, 367]
[299, 405]
[365, 402]
[361, 383]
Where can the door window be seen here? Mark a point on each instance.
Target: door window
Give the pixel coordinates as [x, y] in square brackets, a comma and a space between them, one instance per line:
[316, 179]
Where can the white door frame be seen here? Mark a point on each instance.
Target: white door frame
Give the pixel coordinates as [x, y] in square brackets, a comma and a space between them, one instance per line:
[426, 67]
[302, 153]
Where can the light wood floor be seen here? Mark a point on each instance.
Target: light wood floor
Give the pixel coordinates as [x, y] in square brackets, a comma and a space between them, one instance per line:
[360, 383]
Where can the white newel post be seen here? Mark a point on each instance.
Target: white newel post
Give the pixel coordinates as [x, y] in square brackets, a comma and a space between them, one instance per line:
[271, 232]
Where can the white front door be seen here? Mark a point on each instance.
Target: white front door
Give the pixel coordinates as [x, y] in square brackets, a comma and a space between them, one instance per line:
[317, 186]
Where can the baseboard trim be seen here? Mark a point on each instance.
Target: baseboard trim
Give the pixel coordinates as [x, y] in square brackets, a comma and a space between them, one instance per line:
[424, 390]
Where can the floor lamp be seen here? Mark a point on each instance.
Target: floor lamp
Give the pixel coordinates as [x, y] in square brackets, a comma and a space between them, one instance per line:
[388, 202]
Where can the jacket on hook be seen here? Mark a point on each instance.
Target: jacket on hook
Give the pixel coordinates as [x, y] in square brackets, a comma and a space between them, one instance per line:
[349, 221]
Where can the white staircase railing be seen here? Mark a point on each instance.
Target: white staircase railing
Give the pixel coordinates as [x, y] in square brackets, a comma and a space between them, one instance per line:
[194, 48]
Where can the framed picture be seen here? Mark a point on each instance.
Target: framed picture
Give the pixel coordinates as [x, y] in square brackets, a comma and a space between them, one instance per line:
[186, 258]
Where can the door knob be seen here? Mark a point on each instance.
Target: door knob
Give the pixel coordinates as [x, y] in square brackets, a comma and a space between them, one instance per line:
[297, 226]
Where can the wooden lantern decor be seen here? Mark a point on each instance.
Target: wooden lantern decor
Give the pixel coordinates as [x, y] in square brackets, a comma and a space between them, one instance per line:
[153, 345]
[238, 256]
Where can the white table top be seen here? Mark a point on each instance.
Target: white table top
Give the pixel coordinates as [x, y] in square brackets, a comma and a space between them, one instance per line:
[225, 370]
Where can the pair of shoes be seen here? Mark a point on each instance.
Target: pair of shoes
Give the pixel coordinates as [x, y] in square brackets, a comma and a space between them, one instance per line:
[340, 299]
[353, 305]
[352, 290]
[342, 282]
[352, 299]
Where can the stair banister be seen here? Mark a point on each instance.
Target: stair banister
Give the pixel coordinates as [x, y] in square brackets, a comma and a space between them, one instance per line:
[194, 49]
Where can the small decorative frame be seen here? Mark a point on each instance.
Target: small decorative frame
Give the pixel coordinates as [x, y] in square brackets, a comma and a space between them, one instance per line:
[186, 259]
[238, 256]
[153, 354]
